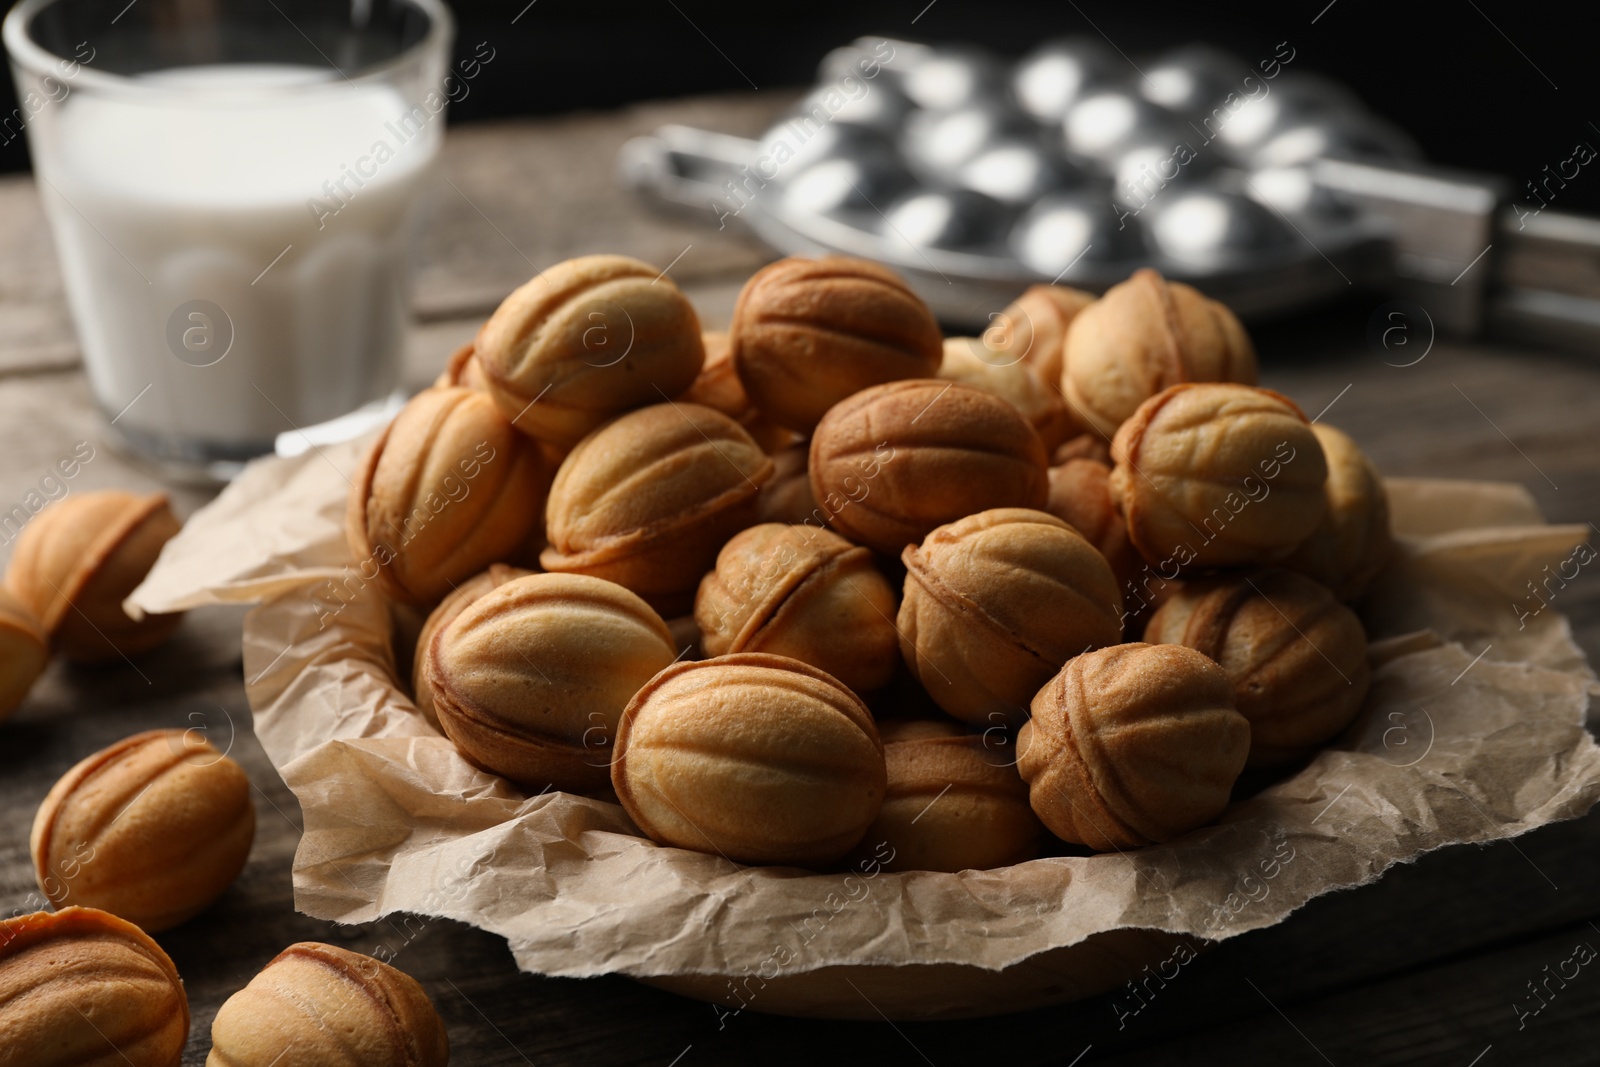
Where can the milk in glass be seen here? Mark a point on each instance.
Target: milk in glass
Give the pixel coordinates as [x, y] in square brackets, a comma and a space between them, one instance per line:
[234, 244]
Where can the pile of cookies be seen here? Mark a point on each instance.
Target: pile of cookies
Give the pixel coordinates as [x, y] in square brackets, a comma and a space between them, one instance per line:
[832, 580]
[828, 588]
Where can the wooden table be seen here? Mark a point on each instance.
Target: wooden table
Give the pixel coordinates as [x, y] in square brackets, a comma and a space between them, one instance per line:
[1420, 968]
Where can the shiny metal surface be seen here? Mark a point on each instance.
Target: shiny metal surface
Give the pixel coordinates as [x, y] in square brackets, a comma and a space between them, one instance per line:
[1245, 123]
[1212, 227]
[799, 142]
[841, 187]
[1294, 191]
[1018, 171]
[976, 180]
[945, 78]
[1194, 79]
[1142, 174]
[1075, 229]
[1338, 135]
[1052, 78]
[1108, 122]
[882, 106]
[1440, 225]
[939, 143]
[1266, 187]
[945, 219]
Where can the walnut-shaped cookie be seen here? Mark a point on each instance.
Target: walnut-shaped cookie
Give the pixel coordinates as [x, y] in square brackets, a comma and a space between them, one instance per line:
[649, 499]
[893, 462]
[586, 340]
[1217, 475]
[1032, 329]
[448, 488]
[83, 988]
[807, 333]
[317, 1005]
[153, 829]
[1132, 745]
[1297, 657]
[954, 803]
[464, 596]
[756, 758]
[1352, 542]
[80, 558]
[969, 361]
[530, 678]
[1144, 335]
[994, 605]
[805, 593]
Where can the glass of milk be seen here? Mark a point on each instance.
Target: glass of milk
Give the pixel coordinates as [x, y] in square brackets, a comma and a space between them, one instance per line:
[233, 187]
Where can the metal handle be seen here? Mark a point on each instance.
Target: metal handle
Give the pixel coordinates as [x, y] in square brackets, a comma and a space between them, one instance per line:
[1548, 270]
[1441, 224]
[683, 166]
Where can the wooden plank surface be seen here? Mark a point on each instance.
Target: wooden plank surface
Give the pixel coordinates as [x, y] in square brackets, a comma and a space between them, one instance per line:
[1422, 967]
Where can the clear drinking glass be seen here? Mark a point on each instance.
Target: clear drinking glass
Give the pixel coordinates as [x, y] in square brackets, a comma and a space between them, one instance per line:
[233, 187]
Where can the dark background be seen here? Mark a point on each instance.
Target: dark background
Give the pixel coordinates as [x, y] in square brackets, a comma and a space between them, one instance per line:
[1486, 84]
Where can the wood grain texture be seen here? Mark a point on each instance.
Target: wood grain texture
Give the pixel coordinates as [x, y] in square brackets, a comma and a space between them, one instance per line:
[1422, 967]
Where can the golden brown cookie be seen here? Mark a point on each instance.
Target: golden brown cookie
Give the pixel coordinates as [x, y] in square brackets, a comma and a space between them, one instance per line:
[586, 340]
[23, 652]
[969, 361]
[1033, 328]
[448, 488]
[1080, 496]
[80, 558]
[648, 500]
[1084, 446]
[805, 593]
[315, 1005]
[1217, 475]
[954, 803]
[1132, 745]
[82, 988]
[461, 598]
[787, 497]
[893, 462]
[1297, 657]
[809, 332]
[756, 758]
[530, 678]
[994, 605]
[1144, 335]
[718, 388]
[463, 369]
[1352, 542]
[153, 829]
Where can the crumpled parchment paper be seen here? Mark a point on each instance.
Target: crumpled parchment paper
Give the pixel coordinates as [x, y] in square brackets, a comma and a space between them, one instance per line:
[1473, 731]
